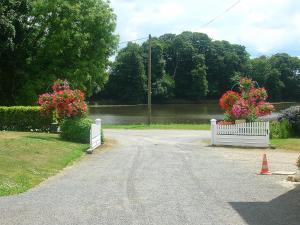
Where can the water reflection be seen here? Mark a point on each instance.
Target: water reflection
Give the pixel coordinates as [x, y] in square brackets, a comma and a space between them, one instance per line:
[167, 113]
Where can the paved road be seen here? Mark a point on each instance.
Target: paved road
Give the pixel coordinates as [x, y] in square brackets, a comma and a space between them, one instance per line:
[161, 178]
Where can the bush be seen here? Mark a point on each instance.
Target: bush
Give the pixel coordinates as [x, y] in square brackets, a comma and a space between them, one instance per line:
[63, 102]
[280, 129]
[292, 114]
[76, 129]
[249, 104]
[298, 162]
[24, 118]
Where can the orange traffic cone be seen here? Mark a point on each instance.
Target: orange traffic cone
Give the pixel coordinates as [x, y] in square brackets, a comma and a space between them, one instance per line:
[265, 167]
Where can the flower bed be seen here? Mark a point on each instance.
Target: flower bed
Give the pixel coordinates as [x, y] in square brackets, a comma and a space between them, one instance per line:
[248, 104]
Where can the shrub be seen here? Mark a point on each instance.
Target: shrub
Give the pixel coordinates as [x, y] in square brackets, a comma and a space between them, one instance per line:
[280, 129]
[249, 104]
[298, 162]
[76, 129]
[292, 114]
[23, 118]
[228, 99]
[63, 102]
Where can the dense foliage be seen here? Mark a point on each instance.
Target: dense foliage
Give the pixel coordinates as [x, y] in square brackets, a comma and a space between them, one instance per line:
[41, 41]
[23, 118]
[76, 129]
[248, 104]
[192, 66]
[127, 80]
[45, 40]
[287, 125]
[63, 102]
[280, 129]
[292, 115]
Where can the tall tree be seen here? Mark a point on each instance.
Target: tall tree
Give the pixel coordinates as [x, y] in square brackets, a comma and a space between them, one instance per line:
[199, 86]
[274, 85]
[162, 84]
[127, 81]
[67, 39]
[14, 30]
[289, 68]
[267, 76]
[223, 61]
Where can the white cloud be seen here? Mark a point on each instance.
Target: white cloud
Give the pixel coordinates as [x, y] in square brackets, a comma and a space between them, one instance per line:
[263, 26]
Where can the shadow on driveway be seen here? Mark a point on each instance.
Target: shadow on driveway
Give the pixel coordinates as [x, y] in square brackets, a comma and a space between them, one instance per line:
[283, 210]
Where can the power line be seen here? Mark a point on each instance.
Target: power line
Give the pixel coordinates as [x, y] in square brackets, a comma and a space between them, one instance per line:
[221, 14]
[203, 25]
[124, 42]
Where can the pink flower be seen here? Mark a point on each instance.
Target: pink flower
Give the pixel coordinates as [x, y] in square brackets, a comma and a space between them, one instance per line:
[64, 101]
[240, 109]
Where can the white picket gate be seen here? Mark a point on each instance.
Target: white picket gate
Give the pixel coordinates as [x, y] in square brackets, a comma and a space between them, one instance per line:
[255, 134]
[95, 136]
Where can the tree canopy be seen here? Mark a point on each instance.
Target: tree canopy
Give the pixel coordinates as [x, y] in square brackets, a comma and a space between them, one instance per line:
[44, 40]
[192, 66]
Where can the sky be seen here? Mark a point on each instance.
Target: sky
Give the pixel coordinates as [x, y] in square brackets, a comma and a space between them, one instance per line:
[264, 27]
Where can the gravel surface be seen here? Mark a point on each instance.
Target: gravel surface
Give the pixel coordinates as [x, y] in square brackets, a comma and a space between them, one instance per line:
[162, 178]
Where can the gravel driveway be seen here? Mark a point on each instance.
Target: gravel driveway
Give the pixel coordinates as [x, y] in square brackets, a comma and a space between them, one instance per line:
[162, 178]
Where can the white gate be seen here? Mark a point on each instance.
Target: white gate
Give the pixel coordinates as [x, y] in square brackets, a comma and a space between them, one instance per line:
[95, 135]
[255, 134]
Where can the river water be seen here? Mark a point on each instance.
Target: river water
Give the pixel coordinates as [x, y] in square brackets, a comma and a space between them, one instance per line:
[166, 113]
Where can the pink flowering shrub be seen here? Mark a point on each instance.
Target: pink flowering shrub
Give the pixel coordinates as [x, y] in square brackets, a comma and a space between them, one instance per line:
[245, 84]
[63, 102]
[249, 104]
[257, 95]
[264, 108]
[60, 85]
[241, 109]
[228, 99]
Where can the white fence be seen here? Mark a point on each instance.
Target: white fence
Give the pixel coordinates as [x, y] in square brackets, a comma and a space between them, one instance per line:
[256, 134]
[95, 136]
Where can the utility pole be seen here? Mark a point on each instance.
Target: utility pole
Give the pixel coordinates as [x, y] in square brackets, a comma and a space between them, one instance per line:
[149, 82]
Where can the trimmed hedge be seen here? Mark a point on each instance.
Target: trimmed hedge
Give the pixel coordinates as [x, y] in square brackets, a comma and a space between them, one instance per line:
[23, 118]
[76, 129]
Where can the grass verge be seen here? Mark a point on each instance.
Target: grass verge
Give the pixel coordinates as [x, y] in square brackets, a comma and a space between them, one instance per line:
[159, 126]
[26, 159]
[292, 144]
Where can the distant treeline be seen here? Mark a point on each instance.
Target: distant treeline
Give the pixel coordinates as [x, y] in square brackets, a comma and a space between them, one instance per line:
[192, 66]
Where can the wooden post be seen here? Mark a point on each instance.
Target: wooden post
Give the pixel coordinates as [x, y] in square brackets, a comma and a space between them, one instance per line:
[149, 82]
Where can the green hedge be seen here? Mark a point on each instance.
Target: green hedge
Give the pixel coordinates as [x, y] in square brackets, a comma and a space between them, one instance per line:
[23, 118]
[76, 129]
[281, 129]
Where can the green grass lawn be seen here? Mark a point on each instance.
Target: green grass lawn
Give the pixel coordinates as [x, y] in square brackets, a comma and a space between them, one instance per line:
[160, 126]
[26, 159]
[287, 144]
